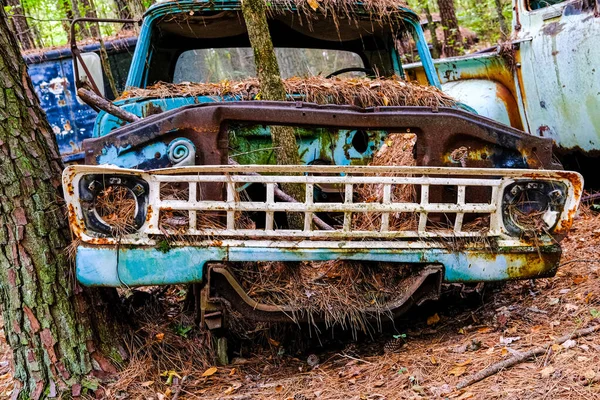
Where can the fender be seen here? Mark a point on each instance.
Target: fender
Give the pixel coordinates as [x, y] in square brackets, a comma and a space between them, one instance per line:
[489, 98]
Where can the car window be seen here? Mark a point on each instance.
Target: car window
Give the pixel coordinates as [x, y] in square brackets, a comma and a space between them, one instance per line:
[537, 4]
[215, 65]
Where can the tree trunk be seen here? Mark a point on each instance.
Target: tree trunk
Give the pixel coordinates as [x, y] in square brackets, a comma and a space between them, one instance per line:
[65, 7]
[90, 12]
[20, 25]
[82, 28]
[124, 12]
[501, 19]
[452, 39]
[271, 87]
[59, 333]
[436, 50]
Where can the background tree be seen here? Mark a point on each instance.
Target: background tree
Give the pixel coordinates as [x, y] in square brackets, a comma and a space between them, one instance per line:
[19, 23]
[501, 18]
[436, 50]
[59, 333]
[452, 38]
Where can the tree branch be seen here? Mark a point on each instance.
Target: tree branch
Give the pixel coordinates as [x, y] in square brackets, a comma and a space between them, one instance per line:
[519, 358]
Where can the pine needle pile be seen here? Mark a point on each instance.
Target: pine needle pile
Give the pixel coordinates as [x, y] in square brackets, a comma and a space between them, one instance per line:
[360, 92]
[343, 293]
[116, 206]
[397, 150]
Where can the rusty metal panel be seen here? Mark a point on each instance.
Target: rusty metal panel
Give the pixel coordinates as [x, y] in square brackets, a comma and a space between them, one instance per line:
[439, 132]
[560, 73]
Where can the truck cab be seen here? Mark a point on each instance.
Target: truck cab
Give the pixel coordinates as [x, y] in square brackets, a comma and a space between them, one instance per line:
[190, 193]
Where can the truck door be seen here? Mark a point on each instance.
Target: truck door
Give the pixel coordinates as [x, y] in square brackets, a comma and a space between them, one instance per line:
[560, 70]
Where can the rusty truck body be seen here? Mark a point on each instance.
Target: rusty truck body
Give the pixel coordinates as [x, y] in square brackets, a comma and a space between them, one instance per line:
[545, 80]
[187, 142]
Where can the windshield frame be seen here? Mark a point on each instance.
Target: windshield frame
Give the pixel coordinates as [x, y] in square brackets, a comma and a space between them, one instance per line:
[138, 73]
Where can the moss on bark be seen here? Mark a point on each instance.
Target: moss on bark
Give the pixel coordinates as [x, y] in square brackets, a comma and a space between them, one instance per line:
[50, 322]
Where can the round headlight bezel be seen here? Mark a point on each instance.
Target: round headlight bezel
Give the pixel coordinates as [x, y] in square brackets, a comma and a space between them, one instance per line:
[533, 206]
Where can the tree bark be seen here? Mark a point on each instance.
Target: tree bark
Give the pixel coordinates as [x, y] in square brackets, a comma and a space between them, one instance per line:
[452, 38]
[20, 24]
[271, 87]
[59, 333]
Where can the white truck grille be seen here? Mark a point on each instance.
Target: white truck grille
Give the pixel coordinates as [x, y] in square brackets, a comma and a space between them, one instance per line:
[440, 202]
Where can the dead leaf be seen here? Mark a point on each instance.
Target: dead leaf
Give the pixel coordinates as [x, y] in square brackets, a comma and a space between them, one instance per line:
[504, 352]
[379, 384]
[209, 372]
[457, 371]
[589, 374]
[490, 351]
[556, 348]
[230, 390]
[314, 4]
[579, 279]
[509, 340]
[569, 344]
[146, 384]
[419, 389]
[434, 319]
[273, 342]
[485, 329]
[279, 388]
[536, 328]
[546, 372]
[571, 307]
[168, 392]
[466, 395]
[433, 360]
[232, 372]
[462, 364]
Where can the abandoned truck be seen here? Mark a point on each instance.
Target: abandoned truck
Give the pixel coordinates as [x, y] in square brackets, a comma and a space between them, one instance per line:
[53, 79]
[397, 198]
[545, 80]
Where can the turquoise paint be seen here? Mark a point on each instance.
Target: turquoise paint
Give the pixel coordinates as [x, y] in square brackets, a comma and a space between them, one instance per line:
[142, 266]
[148, 266]
[127, 158]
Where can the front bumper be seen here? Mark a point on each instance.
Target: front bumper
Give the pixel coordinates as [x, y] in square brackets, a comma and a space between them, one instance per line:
[139, 266]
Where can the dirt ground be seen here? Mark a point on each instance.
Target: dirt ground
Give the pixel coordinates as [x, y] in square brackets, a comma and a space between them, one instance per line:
[441, 344]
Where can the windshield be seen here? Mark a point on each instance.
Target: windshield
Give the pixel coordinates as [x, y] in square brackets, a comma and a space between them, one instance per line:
[237, 63]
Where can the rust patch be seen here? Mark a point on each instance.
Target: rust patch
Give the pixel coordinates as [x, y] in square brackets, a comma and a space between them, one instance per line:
[553, 28]
[512, 108]
[76, 225]
[543, 130]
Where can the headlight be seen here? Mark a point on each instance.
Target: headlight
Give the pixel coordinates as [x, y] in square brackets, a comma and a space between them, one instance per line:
[533, 207]
[113, 204]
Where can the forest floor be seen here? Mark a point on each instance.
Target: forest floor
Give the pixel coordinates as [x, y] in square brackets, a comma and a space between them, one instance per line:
[445, 342]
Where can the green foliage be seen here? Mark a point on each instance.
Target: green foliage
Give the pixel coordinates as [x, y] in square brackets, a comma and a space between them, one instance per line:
[47, 18]
[478, 16]
[182, 330]
[163, 246]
